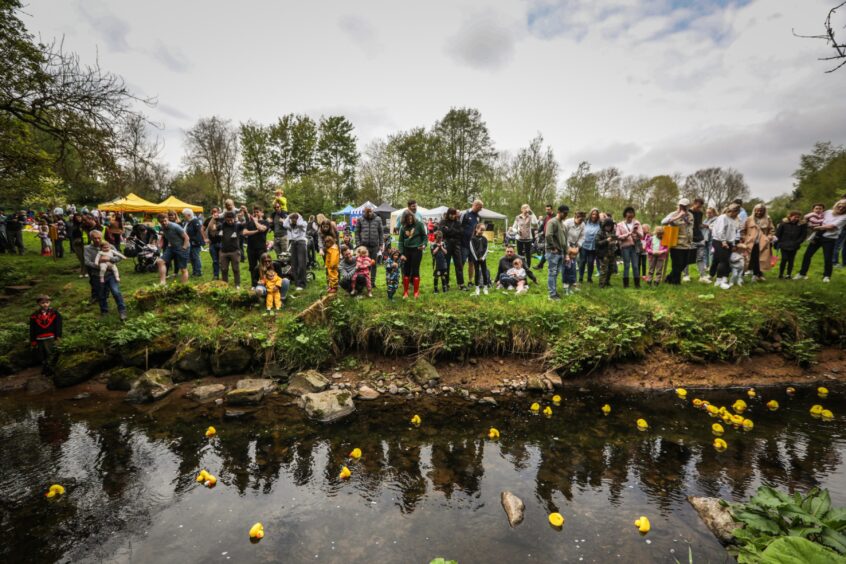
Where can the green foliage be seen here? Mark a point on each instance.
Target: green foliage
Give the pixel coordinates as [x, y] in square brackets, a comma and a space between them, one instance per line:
[301, 346]
[143, 328]
[771, 515]
[440, 560]
[803, 351]
[821, 176]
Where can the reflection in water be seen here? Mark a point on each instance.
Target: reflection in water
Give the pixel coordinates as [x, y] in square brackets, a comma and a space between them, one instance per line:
[130, 473]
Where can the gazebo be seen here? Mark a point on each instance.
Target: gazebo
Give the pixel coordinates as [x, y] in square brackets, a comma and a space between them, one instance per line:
[359, 211]
[177, 205]
[346, 211]
[384, 211]
[132, 203]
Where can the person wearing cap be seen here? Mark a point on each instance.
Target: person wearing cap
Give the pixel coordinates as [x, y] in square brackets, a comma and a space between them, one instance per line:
[369, 234]
[45, 332]
[684, 252]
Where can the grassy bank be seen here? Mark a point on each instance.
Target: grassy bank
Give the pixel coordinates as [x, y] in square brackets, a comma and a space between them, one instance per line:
[575, 335]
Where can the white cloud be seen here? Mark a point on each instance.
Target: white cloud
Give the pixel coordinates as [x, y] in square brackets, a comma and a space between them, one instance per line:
[483, 41]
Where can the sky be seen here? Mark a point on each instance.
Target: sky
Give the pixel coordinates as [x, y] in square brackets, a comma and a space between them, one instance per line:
[651, 87]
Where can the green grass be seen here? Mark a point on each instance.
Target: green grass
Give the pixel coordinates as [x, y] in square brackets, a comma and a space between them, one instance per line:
[574, 335]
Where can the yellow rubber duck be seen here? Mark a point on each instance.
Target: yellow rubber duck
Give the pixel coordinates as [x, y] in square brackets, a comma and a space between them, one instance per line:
[737, 420]
[547, 411]
[642, 425]
[202, 476]
[415, 420]
[556, 520]
[355, 453]
[556, 399]
[747, 425]
[535, 407]
[727, 418]
[55, 489]
[207, 479]
[822, 392]
[791, 391]
[751, 393]
[772, 405]
[681, 393]
[493, 433]
[712, 410]
[827, 415]
[720, 445]
[345, 473]
[816, 410]
[739, 406]
[257, 531]
[210, 432]
[606, 409]
[717, 429]
[697, 403]
[643, 525]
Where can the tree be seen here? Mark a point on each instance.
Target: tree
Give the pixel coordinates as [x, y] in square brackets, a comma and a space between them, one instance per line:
[830, 38]
[663, 199]
[375, 172]
[212, 147]
[338, 156]
[534, 175]
[717, 187]
[465, 151]
[137, 152]
[821, 176]
[303, 139]
[259, 161]
[197, 186]
[580, 187]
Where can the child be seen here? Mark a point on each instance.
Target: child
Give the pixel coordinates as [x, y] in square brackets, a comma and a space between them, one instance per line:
[816, 218]
[44, 235]
[790, 234]
[281, 200]
[392, 273]
[332, 259]
[273, 283]
[606, 251]
[479, 250]
[737, 261]
[386, 247]
[45, 331]
[568, 270]
[657, 256]
[644, 260]
[440, 265]
[518, 273]
[107, 251]
[363, 262]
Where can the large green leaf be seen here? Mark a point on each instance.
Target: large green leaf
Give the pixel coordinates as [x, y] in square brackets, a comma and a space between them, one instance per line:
[818, 504]
[769, 497]
[795, 550]
[756, 521]
[834, 539]
[836, 518]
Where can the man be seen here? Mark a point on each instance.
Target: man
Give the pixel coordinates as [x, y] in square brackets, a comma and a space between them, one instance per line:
[505, 264]
[698, 242]
[412, 208]
[109, 285]
[194, 228]
[556, 247]
[369, 234]
[230, 250]
[255, 231]
[280, 236]
[741, 217]
[176, 249]
[542, 234]
[469, 220]
[213, 241]
[14, 231]
[296, 227]
[680, 255]
[346, 269]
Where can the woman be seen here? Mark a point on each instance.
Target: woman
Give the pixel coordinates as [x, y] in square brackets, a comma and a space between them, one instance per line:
[723, 234]
[630, 237]
[524, 225]
[684, 252]
[325, 227]
[412, 241]
[265, 263]
[312, 229]
[790, 234]
[77, 244]
[827, 234]
[758, 233]
[114, 232]
[710, 217]
[587, 253]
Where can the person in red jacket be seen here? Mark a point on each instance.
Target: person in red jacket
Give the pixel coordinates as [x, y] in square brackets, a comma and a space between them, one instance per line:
[45, 331]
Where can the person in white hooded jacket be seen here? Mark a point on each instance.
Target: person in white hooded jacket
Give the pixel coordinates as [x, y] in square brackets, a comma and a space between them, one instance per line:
[723, 238]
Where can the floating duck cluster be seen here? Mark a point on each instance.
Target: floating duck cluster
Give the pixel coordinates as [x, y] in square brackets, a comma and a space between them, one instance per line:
[206, 479]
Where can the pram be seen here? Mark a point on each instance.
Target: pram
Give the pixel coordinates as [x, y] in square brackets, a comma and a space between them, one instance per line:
[145, 255]
[284, 269]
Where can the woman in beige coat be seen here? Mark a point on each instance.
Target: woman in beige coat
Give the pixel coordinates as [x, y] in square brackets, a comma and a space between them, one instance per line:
[758, 233]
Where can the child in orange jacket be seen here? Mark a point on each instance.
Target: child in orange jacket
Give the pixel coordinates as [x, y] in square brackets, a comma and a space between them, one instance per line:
[332, 258]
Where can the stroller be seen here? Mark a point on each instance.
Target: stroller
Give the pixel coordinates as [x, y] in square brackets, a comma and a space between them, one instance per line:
[284, 269]
[145, 255]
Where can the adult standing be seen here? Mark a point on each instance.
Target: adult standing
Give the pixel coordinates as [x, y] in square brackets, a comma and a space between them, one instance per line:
[255, 232]
[469, 220]
[710, 216]
[368, 234]
[699, 242]
[630, 239]
[296, 227]
[110, 285]
[758, 233]
[325, 228]
[412, 242]
[411, 208]
[453, 237]
[76, 234]
[114, 232]
[575, 228]
[541, 236]
[230, 249]
[312, 229]
[826, 238]
[839, 259]
[556, 247]
[280, 235]
[61, 233]
[723, 233]
[176, 250]
[587, 252]
[214, 239]
[790, 233]
[14, 232]
[524, 226]
[194, 228]
[684, 251]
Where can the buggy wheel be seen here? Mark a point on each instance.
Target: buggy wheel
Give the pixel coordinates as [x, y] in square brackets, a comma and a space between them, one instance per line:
[138, 268]
[310, 276]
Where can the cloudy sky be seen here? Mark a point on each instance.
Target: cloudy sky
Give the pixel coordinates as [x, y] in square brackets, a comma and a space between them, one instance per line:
[648, 86]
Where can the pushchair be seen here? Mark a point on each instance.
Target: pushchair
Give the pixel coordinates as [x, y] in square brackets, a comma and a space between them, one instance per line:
[285, 269]
[145, 255]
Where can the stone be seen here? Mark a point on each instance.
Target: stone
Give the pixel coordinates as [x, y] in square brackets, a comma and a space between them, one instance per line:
[393, 389]
[154, 384]
[464, 393]
[308, 382]
[82, 396]
[75, 368]
[337, 376]
[274, 371]
[367, 393]
[250, 391]
[189, 362]
[716, 517]
[206, 393]
[553, 378]
[155, 353]
[488, 400]
[328, 406]
[121, 379]
[39, 385]
[535, 384]
[237, 413]
[514, 507]
[473, 362]
[423, 372]
[231, 359]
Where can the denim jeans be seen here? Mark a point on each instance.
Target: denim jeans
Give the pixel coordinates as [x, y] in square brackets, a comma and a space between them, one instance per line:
[214, 251]
[630, 258]
[840, 249]
[587, 258]
[827, 245]
[555, 260]
[196, 262]
[102, 290]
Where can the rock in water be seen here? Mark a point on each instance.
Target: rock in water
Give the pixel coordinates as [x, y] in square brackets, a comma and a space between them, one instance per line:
[423, 372]
[716, 517]
[250, 391]
[231, 359]
[328, 406]
[307, 382]
[121, 379]
[535, 384]
[205, 393]
[74, 368]
[514, 508]
[152, 385]
[367, 393]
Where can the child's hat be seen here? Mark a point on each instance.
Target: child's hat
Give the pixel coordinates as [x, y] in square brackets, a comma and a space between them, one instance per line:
[42, 298]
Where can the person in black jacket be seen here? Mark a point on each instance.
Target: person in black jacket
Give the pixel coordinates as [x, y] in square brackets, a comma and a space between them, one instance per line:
[45, 332]
[790, 234]
[453, 235]
[606, 251]
[505, 264]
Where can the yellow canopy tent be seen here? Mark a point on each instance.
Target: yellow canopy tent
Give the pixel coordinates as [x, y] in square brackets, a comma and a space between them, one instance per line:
[131, 203]
[177, 205]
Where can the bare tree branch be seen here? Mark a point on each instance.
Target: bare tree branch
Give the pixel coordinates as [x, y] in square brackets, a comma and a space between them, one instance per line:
[829, 37]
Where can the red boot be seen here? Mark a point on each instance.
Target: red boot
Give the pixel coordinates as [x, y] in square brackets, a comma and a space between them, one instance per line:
[416, 286]
[405, 280]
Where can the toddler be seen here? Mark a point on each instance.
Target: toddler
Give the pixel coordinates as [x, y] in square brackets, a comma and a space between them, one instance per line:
[273, 283]
[657, 256]
[392, 272]
[440, 265]
[107, 251]
[815, 219]
[518, 273]
[281, 200]
[479, 250]
[737, 262]
[332, 259]
[363, 262]
[568, 270]
[44, 236]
